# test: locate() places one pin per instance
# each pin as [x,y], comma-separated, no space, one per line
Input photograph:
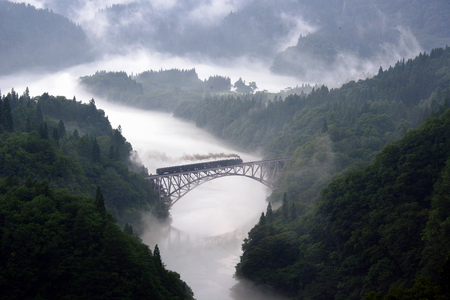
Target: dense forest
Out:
[360,212]
[73,146]
[159,90]
[333,136]
[38,39]
[54,245]
[329,130]
[66,179]
[377,230]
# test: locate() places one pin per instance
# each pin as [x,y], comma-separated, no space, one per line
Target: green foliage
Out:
[329,131]
[57,246]
[77,163]
[160,90]
[373,231]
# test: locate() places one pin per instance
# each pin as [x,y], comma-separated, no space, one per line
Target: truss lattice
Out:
[171,187]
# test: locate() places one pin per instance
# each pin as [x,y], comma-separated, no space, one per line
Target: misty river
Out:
[208,225]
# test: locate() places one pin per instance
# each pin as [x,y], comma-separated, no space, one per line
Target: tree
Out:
[75,134]
[96,156]
[241,87]
[7,119]
[157,255]
[99,201]
[61,129]
[269,213]
[128,229]
[43,131]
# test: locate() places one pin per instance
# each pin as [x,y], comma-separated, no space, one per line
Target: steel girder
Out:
[171,187]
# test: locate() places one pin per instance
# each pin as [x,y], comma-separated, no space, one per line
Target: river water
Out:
[208,224]
[202,241]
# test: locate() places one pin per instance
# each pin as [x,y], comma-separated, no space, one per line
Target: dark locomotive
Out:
[199,166]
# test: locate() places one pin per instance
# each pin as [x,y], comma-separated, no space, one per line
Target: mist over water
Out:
[202,240]
[138,60]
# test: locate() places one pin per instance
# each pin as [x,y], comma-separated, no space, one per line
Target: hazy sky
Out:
[177,15]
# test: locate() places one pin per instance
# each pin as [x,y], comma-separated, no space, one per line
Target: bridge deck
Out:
[172,186]
[266,161]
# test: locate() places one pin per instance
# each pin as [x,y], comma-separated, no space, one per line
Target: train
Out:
[199,166]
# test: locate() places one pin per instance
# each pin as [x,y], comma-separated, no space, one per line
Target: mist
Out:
[65,82]
[202,240]
[203,237]
[139,35]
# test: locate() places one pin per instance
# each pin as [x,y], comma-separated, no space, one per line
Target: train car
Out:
[199,166]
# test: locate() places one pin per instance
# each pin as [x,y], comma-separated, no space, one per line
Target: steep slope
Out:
[54,245]
[73,146]
[36,39]
[371,229]
[351,36]
[329,130]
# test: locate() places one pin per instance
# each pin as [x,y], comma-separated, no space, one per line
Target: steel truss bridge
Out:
[171,187]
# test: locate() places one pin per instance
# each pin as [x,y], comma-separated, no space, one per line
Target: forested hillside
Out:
[158,90]
[366,231]
[377,230]
[66,178]
[73,146]
[326,130]
[368,31]
[317,31]
[54,245]
[37,39]
[369,229]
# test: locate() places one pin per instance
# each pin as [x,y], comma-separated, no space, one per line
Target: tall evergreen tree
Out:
[100,201]
[269,213]
[128,229]
[61,129]
[96,156]
[7,119]
[43,131]
[157,255]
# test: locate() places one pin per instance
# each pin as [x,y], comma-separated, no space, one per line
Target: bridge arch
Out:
[172,187]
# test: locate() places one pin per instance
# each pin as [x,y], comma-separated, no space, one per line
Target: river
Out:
[203,240]
[208,224]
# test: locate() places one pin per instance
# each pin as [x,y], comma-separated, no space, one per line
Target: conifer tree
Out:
[269,213]
[96,156]
[7,119]
[75,134]
[99,201]
[61,129]
[128,229]
[55,134]
[262,220]
[43,131]
[157,255]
